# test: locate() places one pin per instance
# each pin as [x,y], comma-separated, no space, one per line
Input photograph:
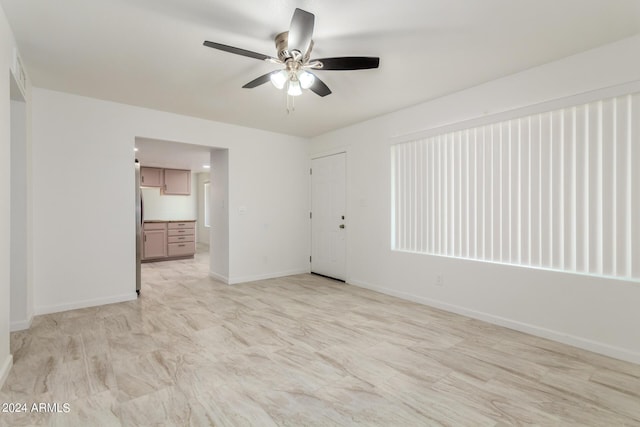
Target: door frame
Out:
[338,150]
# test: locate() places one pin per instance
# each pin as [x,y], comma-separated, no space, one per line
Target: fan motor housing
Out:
[282,47]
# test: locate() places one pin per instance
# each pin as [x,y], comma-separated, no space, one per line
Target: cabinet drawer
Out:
[181,249]
[155,225]
[181,232]
[181,225]
[180,239]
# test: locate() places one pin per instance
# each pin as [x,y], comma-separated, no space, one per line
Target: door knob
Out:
[341,225]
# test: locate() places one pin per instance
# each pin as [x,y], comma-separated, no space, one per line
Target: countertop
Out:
[170,220]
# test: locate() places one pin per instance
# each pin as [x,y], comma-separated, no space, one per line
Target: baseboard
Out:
[5,369]
[86,303]
[575,341]
[219,277]
[244,279]
[21,325]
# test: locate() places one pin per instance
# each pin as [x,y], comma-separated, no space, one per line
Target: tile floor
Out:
[300,351]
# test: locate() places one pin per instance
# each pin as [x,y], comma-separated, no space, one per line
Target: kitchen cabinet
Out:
[151,177]
[181,240]
[154,236]
[177,182]
[165,240]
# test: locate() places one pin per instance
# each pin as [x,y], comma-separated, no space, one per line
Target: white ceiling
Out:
[149,52]
[172,155]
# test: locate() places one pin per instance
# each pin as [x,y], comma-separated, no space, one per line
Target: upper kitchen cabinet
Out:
[177,181]
[151,177]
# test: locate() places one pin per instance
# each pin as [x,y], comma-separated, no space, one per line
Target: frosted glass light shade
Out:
[294,88]
[279,78]
[306,79]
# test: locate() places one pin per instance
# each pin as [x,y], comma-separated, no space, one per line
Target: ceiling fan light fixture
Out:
[294,88]
[306,79]
[279,78]
[294,53]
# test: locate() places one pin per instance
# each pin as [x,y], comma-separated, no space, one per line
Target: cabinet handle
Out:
[142,177]
[181,245]
[181,238]
[145,237]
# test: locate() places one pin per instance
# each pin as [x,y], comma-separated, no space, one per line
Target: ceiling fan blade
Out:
[236,50]
[319,88]
[259,81]
[348,63]
[301,31]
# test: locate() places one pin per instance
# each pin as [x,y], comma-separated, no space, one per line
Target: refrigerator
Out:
[139,219]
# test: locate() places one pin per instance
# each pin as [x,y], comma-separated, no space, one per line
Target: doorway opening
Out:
[20,292]
[178,184]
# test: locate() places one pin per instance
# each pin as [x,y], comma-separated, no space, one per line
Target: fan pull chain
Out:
[291,104]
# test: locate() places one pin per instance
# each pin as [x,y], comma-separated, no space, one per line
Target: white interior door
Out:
[328,201]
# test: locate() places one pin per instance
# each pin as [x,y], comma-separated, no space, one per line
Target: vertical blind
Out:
[557,190]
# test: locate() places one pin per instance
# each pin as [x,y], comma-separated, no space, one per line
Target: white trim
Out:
[219,277]
[561,337]
[21,325]
[627,280]
[5,369]
[331,152]
[555,104]
[86,303]
[244,279]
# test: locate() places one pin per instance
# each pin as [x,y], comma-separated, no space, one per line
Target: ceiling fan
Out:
[294,52]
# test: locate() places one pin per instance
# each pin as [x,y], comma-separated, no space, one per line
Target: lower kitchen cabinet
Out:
[170,239]
[154,236]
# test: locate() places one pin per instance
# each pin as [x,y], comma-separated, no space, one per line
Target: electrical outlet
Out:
[439,281]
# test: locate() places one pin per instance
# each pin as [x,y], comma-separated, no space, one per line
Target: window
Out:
[558,190]
[207,208]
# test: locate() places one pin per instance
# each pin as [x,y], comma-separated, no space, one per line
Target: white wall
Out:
[219,239]
[590,312]
[202,232]
[83,195]
[168,207]
[270,217]
[6,47]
